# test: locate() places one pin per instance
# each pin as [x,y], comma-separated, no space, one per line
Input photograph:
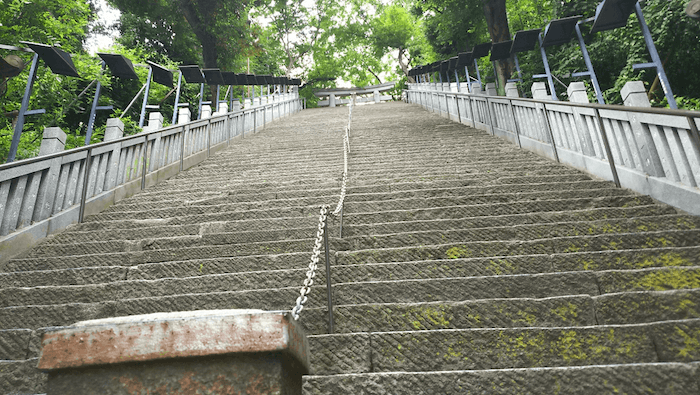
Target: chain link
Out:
[323,215]
[311,273]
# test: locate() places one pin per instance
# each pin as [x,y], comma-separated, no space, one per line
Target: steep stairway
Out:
[466,265]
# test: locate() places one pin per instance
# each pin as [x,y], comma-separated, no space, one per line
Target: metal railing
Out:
[654,151]
[322,238]
[42,195]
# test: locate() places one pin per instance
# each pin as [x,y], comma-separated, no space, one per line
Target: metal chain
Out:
[316,252]
[311,273]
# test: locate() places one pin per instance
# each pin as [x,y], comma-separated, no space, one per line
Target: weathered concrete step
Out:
[39,316]
[76,276]
[297,239]
[622,241]
[78,234]
[517,286]
[647,378]
[504,265]
[647,306]
[496,209]
[639,218]
[22,377]
[285,208]
[461,349]
[195,264]
[577,310]
[140,288]
[163,250]
[475,189]
[14,343]
[407,235]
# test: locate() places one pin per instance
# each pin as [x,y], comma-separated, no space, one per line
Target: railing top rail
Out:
[615,107]
[7,166]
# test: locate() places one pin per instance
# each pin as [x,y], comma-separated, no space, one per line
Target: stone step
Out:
[279,208]
[22,377]
[621,241]
[465,349]
[393,291]
[73,276]
[496,209]
[639,219]
[163,200]
[640,378]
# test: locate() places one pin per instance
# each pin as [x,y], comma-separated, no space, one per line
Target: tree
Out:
[497,23]
[395,29]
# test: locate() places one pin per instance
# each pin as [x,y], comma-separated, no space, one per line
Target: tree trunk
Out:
[198,16]
[404,67]
[497,22]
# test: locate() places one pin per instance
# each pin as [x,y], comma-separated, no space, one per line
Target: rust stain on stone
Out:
[158,339]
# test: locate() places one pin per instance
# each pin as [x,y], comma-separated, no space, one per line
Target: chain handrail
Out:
[323,215]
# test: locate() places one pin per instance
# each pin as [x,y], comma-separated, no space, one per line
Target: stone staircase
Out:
[466,264]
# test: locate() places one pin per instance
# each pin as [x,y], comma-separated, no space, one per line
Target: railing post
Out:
[86,176]
[606,144]
[144,157]
[549,131]
[328,277]
[208,138]
[491,120]
[185,130]
[515,122]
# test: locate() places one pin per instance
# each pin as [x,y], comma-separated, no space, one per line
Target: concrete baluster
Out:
[539,91]
[512,90]
[206,112]
[491,89]
[587,136]
[114,131]
[184,115]
[331,100]
[53,141]
[377,98]
[635,95]
[155,122]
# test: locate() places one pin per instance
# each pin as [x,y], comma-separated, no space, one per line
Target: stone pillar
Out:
[53,141]
[223,108]
[577,92]
[377,97]
[155,122]
[512,90]
[476,88]
[206,112]
[491,89]
[539,91]
[634,94]
[331,100]
[183,115]
[236,105]
[218,351]
[114,131]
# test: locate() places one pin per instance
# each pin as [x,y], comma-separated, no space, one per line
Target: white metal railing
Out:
[653,151]
[42,195]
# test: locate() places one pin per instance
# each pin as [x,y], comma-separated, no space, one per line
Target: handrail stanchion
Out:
[549,130]
[515,122]
[182,146]
[694,135]
[144,157]
[608,151]
[328,277]
[86,180]
[459,116]
[341,221]
[491,120]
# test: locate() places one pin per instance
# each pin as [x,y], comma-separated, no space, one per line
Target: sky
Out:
[108,16]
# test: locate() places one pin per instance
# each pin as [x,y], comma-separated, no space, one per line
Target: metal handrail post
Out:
[328,277]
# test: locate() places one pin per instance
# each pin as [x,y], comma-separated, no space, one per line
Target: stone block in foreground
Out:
[211,351]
